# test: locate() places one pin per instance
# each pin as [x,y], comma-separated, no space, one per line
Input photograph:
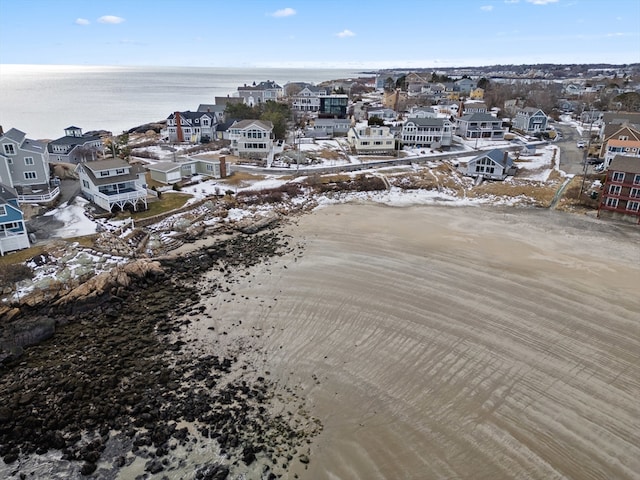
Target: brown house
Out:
[621,191]
[618,132]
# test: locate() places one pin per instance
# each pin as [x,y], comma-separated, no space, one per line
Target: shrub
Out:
[12,274]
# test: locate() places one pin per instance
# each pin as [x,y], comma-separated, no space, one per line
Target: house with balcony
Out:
[480,125]
[615,147]
[616,131]
[386,114]
[530,120]
[307,100]
[621,190]
[24,166]
[427,132]
[13,231]
[365,139]
[191,127]
[251,138]
[260,93]
[473,107]
[494,165]
[75,147]
[113,184]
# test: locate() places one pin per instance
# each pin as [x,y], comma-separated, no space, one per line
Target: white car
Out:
[580,144]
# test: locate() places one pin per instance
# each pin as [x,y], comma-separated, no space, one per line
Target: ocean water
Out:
[42,100]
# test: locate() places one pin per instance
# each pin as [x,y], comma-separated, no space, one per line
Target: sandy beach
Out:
[451,342]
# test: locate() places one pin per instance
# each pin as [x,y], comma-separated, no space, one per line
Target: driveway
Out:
[571,157]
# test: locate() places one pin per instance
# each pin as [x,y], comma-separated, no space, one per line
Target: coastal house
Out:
[480,125]
[333,106]
[260,93]
[427,132]
[476,93]
[614,131]
[13,232]
[365,139]
[75,147]
[615,147]
[251,138]
[530,120]
[24,166]
[494,165]
[186,167]
[113,184]
[386,114]
[422,112]
[192,127]
[474,107]
[328,127]
[621,190]
[308,99]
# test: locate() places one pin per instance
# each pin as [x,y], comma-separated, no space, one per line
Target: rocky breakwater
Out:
[116,389]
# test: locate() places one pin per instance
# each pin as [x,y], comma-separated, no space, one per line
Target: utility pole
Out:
[586,157]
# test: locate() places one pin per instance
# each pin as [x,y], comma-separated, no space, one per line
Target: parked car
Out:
[580,144]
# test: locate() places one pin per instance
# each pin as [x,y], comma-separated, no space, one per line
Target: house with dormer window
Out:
[615,147]
[370,139]
[530,120]
[260,93]
[191,127]
[75,147]
[24,166]
[621,190]
[113,184]
[308,99]
[13,232]
[622,132]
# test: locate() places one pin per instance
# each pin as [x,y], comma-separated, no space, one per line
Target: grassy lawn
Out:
[169,201]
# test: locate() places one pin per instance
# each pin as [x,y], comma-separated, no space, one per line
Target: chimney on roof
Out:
[179,127]
[505,157]
[1,130]
[223,166]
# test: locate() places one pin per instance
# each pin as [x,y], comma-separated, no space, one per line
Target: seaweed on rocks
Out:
[116,369]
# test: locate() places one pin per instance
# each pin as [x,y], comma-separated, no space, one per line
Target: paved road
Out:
[571,157]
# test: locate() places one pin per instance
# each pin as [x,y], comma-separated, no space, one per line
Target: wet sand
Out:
[453,342]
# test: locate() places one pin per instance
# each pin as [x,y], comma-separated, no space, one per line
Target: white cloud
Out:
[541,2]
[511,1]
[110,19]
[284,12]
[486,8]
[82,21]
[345,33]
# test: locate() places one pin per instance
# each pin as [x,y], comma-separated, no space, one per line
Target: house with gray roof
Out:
[24,166]
[621,190]
[251,138]
[259,93]
[75,147]
[113,184]
[530,120]
[427,132]
[191,127]
[186,167]
[13,231]
[480,125]
[308,99]
[494,165]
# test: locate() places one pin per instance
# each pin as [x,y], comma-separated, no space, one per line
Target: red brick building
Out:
[621,191]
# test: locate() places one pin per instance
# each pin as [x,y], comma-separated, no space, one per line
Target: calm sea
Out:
[42,100]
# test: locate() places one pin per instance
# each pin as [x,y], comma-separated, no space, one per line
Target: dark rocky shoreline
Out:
[116,372]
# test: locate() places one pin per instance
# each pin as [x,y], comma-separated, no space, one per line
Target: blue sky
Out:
[326,33]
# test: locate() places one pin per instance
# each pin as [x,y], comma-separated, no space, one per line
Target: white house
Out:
[173,172]
[366,139]
[113,184]
[494,165]
[427,132]
[192,127]
[251,138]
[260,93]
[480,125]
[75,147]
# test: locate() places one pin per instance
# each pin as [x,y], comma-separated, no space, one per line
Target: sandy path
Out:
[438,343]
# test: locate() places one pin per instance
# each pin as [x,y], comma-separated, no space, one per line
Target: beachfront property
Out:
[75,147]
[615,131]
[328,128]
[251,138]
[307,100]
[191,127]
[427,132]
[185,168]
[333,106]
[530,120]
[364,139]
[469,108]
[621,190]
[615,147]
[386,114]
[113,184]
[24,166]
[422,112]
[260,93]
[480,125]
[494,165]
[13,231]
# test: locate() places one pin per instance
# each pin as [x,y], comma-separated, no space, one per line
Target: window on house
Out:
[28,160]
[633,206]
[30,175]
[119,171]
[85,184]
[615,189]
[3,210]
[209,167]
[9,150]
[104,173]
[634,192]
[611,202]
[636,179]
[617,176]
[623,137]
